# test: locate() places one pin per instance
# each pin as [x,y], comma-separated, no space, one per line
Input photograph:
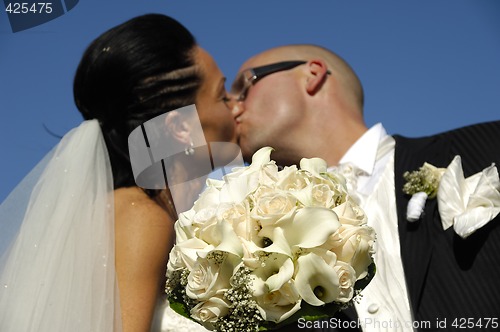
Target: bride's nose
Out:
[238,109]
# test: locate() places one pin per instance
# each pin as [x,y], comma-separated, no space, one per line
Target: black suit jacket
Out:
[451,281]
[449,277]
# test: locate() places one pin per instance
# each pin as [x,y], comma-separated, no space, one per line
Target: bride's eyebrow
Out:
[221,86]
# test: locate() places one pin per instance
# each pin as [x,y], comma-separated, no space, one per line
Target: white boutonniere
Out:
[421,184]
[467,204]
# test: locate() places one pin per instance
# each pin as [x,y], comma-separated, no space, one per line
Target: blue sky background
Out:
[426,66]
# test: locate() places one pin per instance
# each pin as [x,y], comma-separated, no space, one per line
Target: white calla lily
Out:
[229,241]
[311,227]
[261,157]
[315,166]
[276,296]
[214,183]
[316,281]
[279,244]
[285,273]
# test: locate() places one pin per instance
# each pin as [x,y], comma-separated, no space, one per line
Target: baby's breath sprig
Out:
[173,282]
[175,289]
[426,179]
[243,312]
[217,257]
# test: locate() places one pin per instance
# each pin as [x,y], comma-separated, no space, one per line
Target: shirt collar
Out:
[363,153]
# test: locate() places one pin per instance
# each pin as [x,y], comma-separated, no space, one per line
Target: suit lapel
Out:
[415,238]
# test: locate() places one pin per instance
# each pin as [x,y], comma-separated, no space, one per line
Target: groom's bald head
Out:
[337,66]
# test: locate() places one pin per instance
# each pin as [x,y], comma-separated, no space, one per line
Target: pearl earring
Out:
[189,150]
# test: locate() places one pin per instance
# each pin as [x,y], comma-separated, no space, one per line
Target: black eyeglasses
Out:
[250,76]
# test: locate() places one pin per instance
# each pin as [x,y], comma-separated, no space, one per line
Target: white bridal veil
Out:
[57,242]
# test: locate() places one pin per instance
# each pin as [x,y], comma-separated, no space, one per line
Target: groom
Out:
[305,101]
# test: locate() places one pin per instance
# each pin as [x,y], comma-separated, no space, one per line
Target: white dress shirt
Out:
[384,304]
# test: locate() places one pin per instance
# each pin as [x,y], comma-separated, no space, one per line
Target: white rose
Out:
[278,305]
[322,195]
[350,213]
[319,193]
[347,279]
[261,192]
[291,179]
[184,226]
[210,197]
[204,223]
[209,311]
[273,208]
[355,246]
[232,212]
[338,181]
[238,216]
[210,276]
[185,253]
[217,232]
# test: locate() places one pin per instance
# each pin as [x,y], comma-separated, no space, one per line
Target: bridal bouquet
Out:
[264,247]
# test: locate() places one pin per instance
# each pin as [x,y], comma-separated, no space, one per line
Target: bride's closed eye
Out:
[225,98]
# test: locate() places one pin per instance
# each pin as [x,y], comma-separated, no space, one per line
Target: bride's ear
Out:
[317,73]
[178,127]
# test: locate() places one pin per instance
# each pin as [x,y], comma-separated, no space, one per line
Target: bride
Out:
[83,247]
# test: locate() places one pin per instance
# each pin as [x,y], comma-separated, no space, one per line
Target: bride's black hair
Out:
[132,73]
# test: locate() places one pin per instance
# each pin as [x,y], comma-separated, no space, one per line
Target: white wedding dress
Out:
[167,320]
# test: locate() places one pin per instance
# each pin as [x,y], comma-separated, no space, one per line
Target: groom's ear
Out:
[177,126]
[317,72]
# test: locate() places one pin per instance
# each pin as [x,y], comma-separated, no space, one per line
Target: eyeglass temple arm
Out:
[257,72]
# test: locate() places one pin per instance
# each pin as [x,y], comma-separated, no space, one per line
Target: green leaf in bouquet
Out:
[180,308]
[361,284]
